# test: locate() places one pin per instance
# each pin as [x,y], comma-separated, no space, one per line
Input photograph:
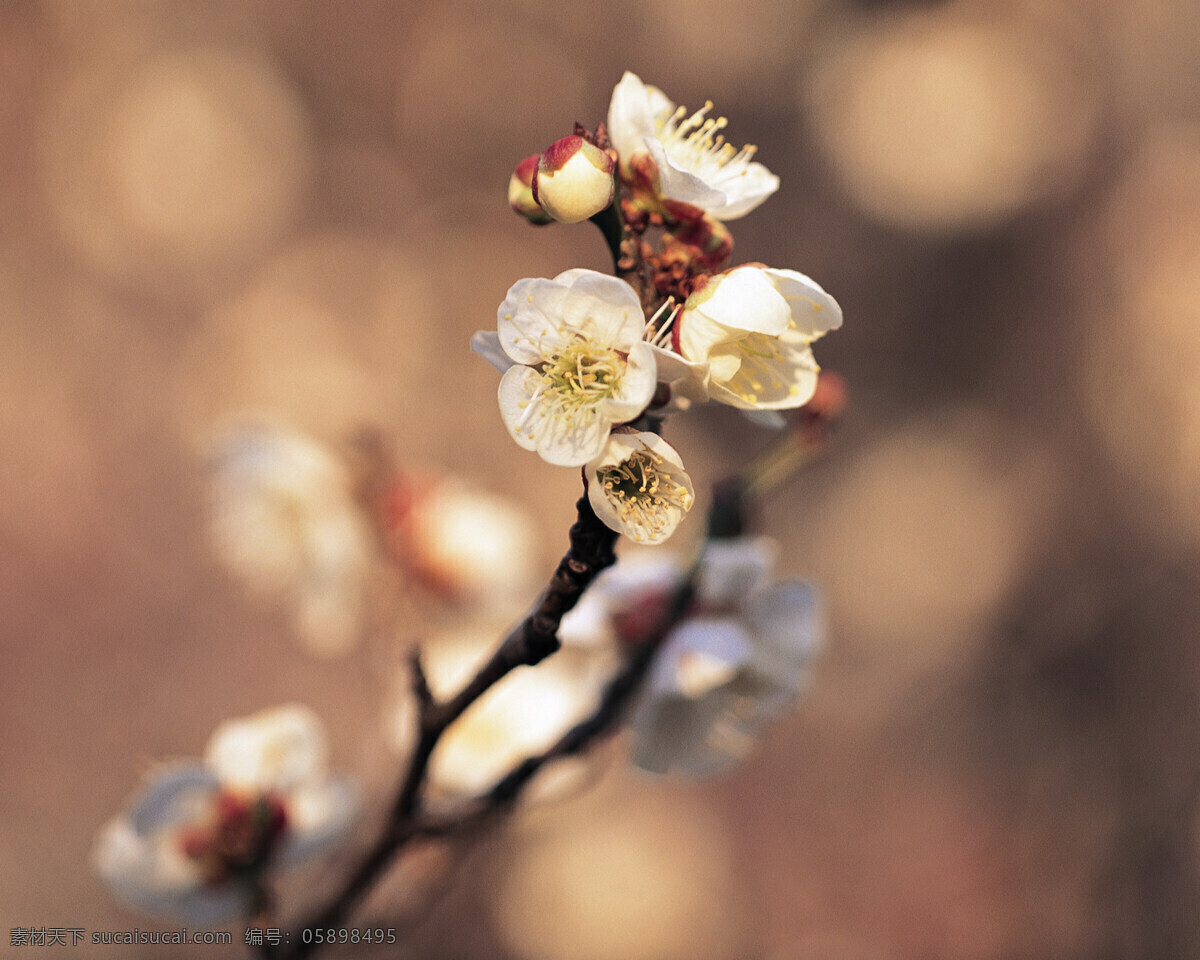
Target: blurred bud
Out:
[464,545]
[831,396]
[520,192]
[574,180]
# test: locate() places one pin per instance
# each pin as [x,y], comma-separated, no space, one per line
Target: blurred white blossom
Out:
[737,659]
[610,611]
[695,163]
[580,364]
[739,656]
[195,840]
[523,714]
[469,546]
[284,519]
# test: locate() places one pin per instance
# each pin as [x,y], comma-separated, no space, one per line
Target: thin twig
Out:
[602,721]
[531,641]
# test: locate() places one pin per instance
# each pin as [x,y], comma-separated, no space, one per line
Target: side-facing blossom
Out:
[753,327]
[739,658]
[284,519]
[580,365]
[638,487]
[695,164]
[195,841]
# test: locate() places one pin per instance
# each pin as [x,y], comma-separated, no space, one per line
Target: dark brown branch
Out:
[530,642]
[536,637]
[602,721]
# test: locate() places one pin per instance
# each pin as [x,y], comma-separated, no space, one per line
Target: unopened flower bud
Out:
[574,180]
[520,192]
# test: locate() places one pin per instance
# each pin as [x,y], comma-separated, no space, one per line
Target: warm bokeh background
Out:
[298,207]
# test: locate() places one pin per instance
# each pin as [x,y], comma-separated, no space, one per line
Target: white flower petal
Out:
[769,419]
[276,750]
[723,365]
[470,545]
[776,375]
[726,670]
[568,277]
[284,519]
[636,388]
[588,367]
[694,165]
[633,114]
[139,854]
[487,345]
[638,577]
[814,312]
[688,381]
[732,568]
[743,299]
[702,655]
[678,183]
[527,320]
[699,336]
[517,390]
[319,818]
[637,486]
[743,191]
[788,623]
[536,424]
[604,309]
[171,795]
[570,443]
[151,874]
[670,734]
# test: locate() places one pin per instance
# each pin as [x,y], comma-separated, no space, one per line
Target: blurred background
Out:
[297,210]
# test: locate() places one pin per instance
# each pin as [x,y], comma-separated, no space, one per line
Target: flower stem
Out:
[528,643]
[612,226]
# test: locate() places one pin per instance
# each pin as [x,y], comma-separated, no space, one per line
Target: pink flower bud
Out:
[574,180]
[520,192]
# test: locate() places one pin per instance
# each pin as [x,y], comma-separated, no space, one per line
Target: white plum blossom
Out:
[580,365]
[610,608]
[695,163]
[753,328]
[195,833]
[284,519]
[739,658]
[466,545]
[638,487]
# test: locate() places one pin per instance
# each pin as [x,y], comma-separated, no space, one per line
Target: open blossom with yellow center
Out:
[695,163]
[580,364]
[638,487]
[753,327]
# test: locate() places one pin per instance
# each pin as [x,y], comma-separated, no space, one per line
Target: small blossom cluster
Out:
[738,656]
[198,839]
[592,363]
[294,521]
